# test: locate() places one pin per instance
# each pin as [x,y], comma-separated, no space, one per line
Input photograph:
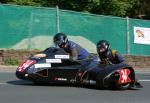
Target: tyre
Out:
[123,86]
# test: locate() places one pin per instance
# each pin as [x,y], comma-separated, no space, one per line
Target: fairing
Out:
[58,67]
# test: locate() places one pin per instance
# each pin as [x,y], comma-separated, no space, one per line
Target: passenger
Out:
[107,55]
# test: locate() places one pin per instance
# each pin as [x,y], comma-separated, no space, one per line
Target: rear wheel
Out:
[123,86]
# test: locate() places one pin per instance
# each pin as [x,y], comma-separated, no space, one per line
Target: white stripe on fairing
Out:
[53,60]
[62,56]
[42,65]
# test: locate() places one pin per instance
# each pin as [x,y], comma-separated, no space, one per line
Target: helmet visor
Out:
[102,49]
[60,44]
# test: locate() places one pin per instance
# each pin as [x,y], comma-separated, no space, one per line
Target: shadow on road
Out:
[29,83]
[20,82]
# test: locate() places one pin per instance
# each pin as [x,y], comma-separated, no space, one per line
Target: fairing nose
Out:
[25,65]
[20,75]
[21,71]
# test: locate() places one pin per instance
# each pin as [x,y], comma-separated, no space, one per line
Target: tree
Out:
[113,7]
[105,7]
[141,9]
[122,8]
[25,2]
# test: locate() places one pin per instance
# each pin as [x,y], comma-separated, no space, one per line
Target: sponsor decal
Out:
[60,79]
[25,65]
[26,75]
[142,35]
[124,76]
[43,65]
[62,56]
[53,61]
[79,74]
[73,80]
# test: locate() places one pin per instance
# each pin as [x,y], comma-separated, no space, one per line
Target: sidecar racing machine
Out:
[57,67]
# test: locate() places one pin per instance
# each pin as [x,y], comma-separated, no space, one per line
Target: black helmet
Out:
[102,46]
[60,39]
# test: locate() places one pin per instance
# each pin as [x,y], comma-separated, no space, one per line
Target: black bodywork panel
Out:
[69,71]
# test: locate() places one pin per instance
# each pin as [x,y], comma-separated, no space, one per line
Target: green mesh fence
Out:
[18,25]
[23,27]
[95,28]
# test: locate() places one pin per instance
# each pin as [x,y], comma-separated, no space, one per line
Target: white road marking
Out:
[144,80]
[3,83]
[142,72]
[7,72]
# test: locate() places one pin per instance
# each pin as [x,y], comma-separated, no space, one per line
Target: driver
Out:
[106,55]
[74,50]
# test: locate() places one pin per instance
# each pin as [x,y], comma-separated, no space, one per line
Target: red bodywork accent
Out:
[124,76]
[26,64]
[55,78]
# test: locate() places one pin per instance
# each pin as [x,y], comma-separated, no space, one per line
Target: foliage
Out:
[141,9]
[114,7]
[11,61]
[25,2]
[131,8]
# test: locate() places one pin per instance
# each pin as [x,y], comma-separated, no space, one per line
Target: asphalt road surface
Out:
[13,90]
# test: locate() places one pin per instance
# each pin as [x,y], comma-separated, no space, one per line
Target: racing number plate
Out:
[124,76]
[26,64]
